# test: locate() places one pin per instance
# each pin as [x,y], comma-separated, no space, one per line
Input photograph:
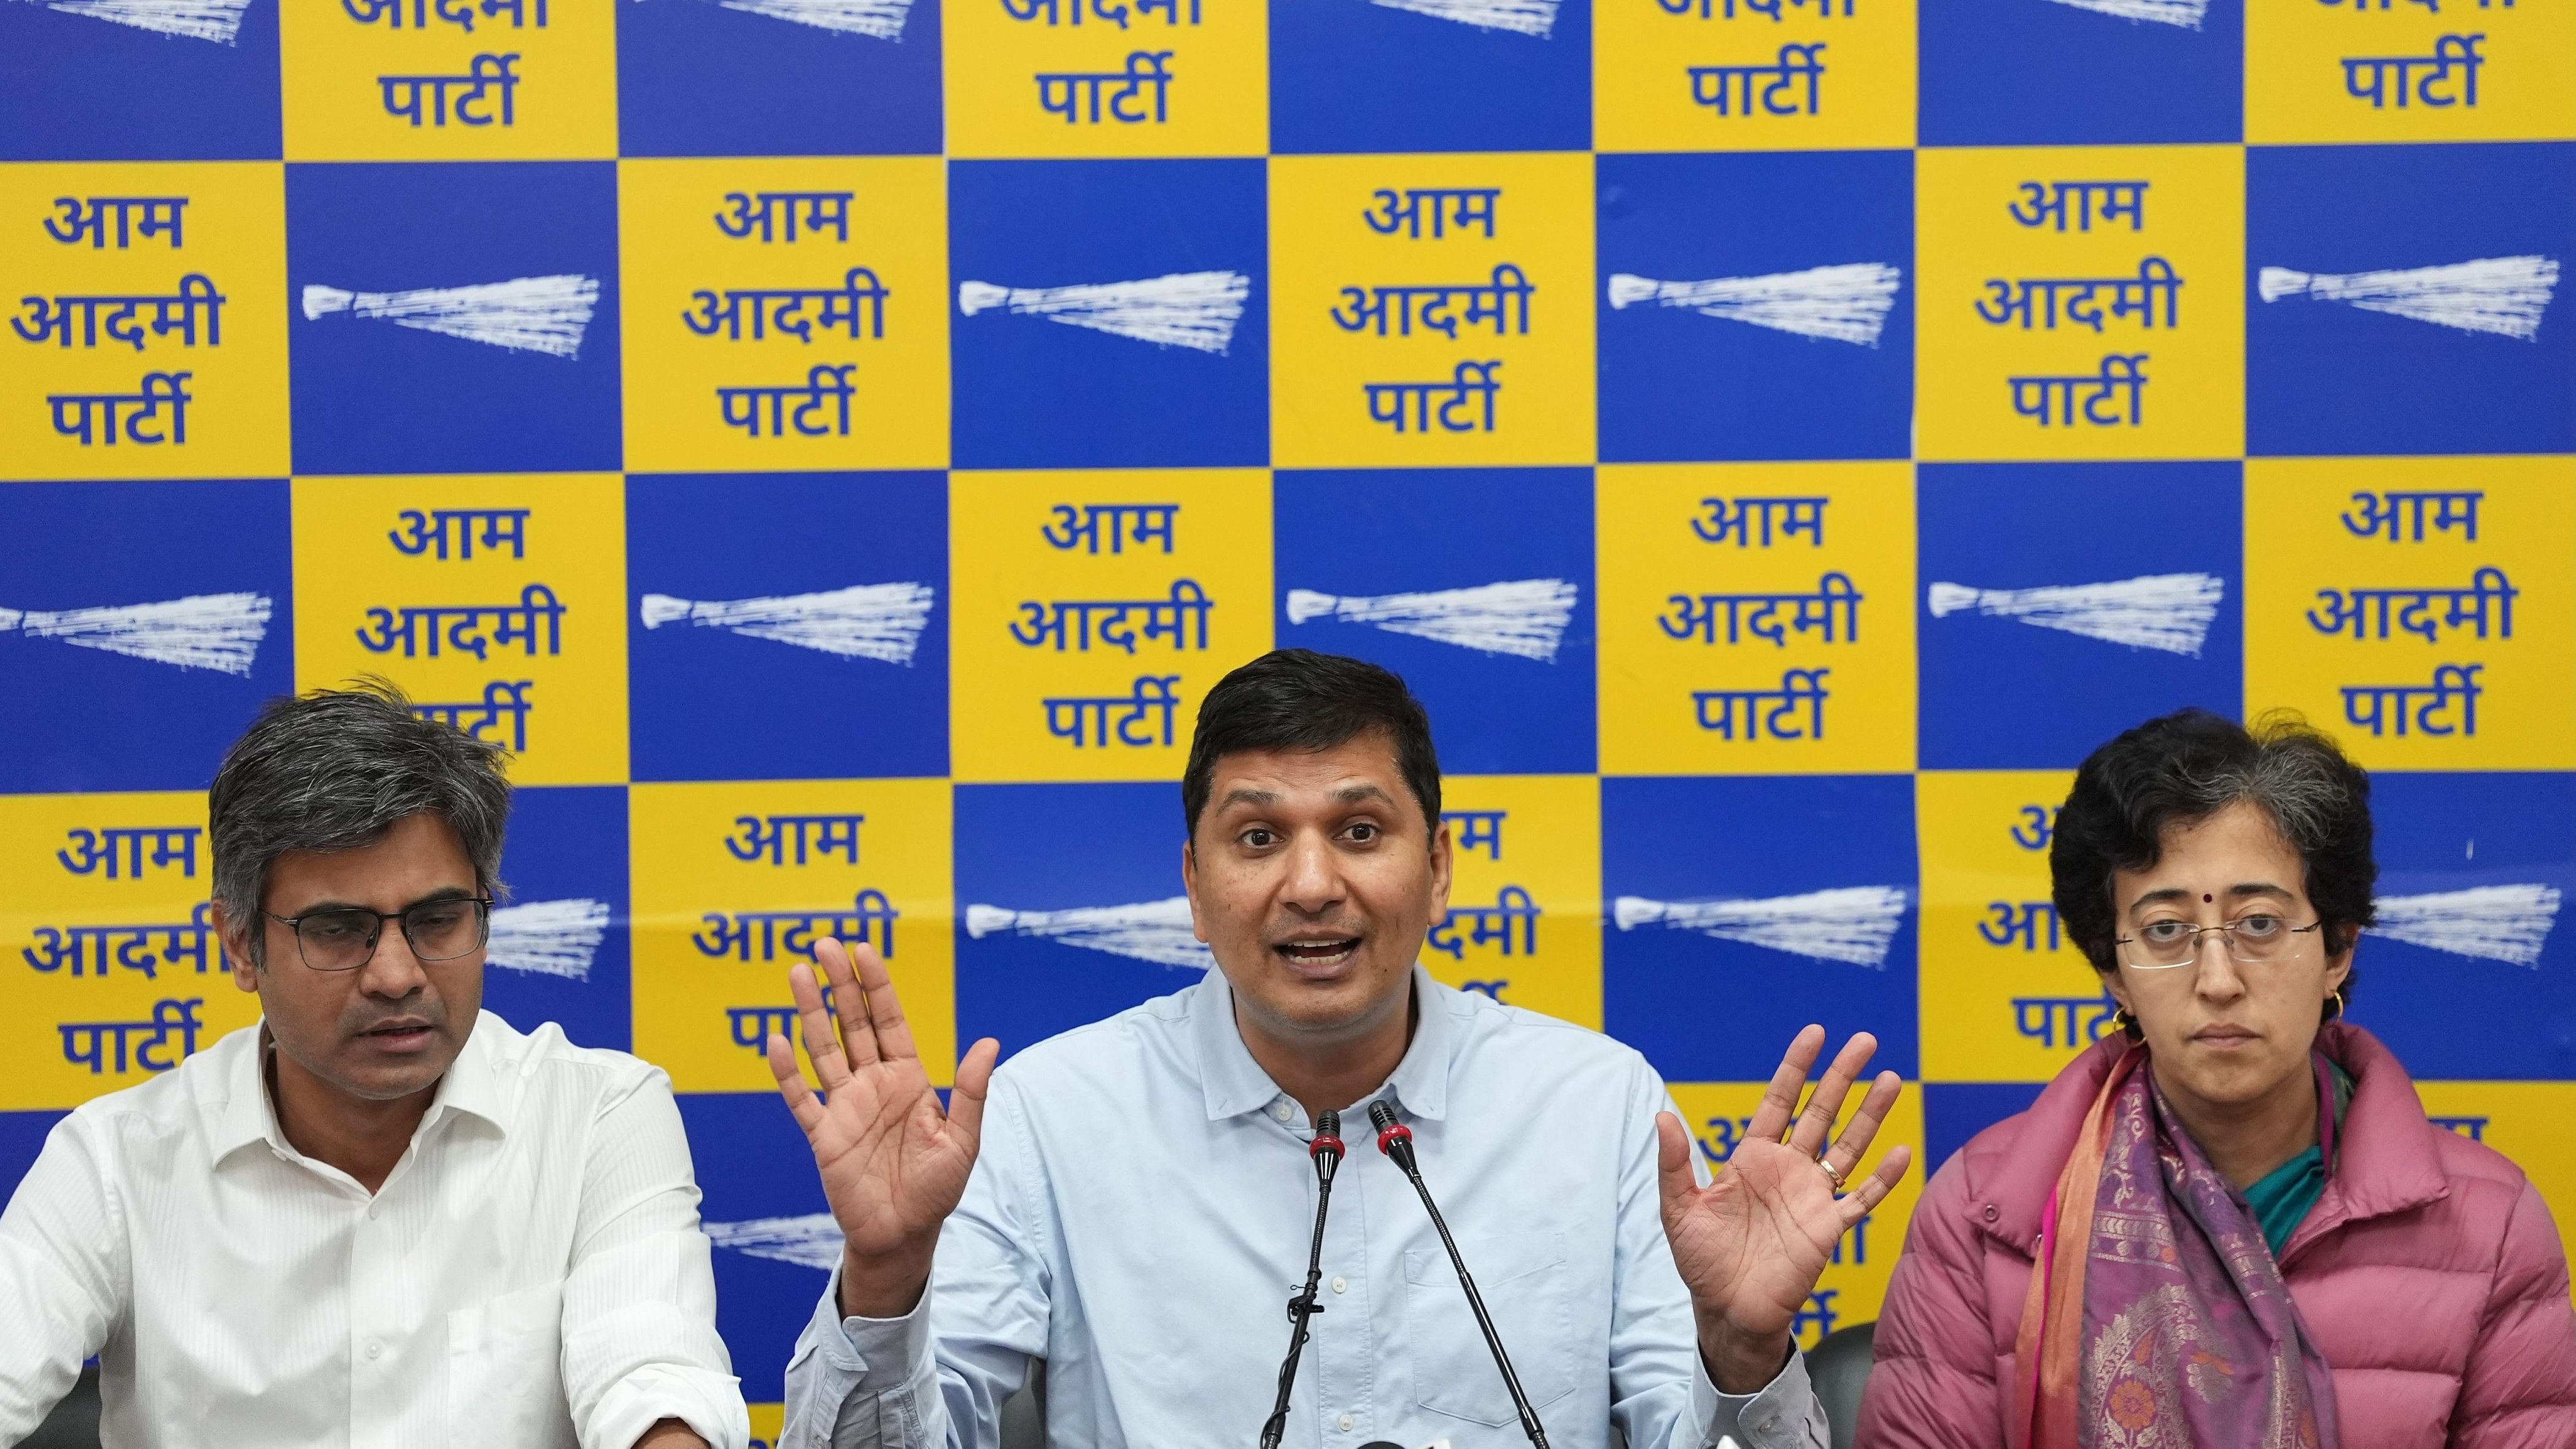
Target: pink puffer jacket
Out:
[2429,1271]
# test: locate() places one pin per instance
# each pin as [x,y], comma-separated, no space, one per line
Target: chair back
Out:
[1839,1370]
[74,1422]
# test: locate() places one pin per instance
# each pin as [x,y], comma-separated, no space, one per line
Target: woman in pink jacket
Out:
[2230,1226]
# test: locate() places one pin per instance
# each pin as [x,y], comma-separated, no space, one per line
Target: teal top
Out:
[2282,1198]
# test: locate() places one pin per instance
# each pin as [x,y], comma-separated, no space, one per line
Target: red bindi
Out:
[2206,898]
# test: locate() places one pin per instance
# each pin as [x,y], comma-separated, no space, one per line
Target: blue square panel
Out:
[1953,1112]
[1420,75]
[775,1241]
[1742,908]
[560,940]
[1475,584]
[2475,875]
[1159,359]
[504,359]
[1691,372]
[160,83]
[696,79]
[1026,854]
[2065,602]
[757,655]
[142,625]
[2408,299]
[22,1140]
[2081,72]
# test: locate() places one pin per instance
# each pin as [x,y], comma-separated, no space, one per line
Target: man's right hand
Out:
[893,1164]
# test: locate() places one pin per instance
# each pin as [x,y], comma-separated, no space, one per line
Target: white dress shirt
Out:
[1140,1211]
[530,1275]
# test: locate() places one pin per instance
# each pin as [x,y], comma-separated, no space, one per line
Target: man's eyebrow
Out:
[1351,794]
[442,894]
[1247,796]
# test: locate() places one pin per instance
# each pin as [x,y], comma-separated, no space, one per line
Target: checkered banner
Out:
[835,444]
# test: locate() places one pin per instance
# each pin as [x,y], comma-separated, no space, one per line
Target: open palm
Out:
[893,1162]
[1751,1245]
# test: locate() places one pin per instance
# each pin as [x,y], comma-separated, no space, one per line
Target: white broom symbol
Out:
[1856,924]
[2495,923]
[2502,295]
[1196,310]
[2183,13]
[868,621]
[548,938]
[1522,17]
[1848,302]
[220,632]
[1525,617]
[1156,931]
[811,1241]
[882,19]
[215,20]
[524,314]
[2170,612]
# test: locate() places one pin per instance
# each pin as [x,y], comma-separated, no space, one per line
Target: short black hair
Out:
[1297,699]
[334,770]
[2185,767]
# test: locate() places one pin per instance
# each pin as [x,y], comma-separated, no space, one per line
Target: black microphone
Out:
[1396,1141]
[1326,1151]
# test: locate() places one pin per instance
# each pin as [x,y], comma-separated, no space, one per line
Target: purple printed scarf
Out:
[2156,1317]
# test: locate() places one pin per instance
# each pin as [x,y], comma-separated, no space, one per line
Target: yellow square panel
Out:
[1752,75]
[1756,618]
[1092,610]
[1524,922]
[2080,302]
[735,882]
[744,277]
[150,338]
[117,975]
[448,80]
[1092,78]
[498,604]
[1431,310]
[2409,70]
[2420,609]
[2005,995]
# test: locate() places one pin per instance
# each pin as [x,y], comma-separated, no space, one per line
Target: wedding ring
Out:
[1831,1176]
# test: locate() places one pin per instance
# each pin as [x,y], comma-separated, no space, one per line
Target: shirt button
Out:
[375,1350]
[1280,1111]
[1345,1422]
[372,1210]
[1993,1212]
[1339,1284]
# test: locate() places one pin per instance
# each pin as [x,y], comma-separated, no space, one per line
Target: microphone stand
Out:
[1326,1150]
[1396,1141]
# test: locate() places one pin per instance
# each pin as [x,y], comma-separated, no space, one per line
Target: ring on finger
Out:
[1832,1174]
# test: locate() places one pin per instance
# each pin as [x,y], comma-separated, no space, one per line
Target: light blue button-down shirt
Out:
[1140,1213]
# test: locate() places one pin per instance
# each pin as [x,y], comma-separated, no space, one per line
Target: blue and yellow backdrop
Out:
[836,443]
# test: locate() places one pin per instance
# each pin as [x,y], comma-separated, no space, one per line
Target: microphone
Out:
[1326,1153]
[1396,1141]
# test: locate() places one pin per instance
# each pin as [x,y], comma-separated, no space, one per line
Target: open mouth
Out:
[1311,954]
[399,1035]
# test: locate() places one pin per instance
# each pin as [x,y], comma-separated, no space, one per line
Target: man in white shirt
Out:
[1124,1202]
[381,1219]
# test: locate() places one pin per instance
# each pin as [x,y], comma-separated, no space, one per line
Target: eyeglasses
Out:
[2251,940]
[343,938]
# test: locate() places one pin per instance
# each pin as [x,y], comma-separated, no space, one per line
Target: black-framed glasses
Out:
[2252,940]
[343,938]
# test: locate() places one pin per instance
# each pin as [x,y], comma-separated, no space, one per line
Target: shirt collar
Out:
[1235,1084]
[470,1086]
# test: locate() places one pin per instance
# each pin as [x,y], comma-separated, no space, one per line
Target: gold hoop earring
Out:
[2339,1006]
[2128,1025]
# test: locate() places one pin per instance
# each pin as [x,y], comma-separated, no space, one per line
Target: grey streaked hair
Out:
[334,770]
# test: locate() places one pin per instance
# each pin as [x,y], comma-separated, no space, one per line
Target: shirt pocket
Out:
[1526,1287]
[505,1372]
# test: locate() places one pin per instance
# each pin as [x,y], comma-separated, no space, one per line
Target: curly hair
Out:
[2185,767]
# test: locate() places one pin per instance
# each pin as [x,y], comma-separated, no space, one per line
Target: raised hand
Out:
[1751,1245]
[893,1163]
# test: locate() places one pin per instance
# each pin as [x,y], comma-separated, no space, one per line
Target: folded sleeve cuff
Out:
[1784,1414]
[709,1403]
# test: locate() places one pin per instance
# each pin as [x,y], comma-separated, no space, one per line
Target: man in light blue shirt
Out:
[1131,1202]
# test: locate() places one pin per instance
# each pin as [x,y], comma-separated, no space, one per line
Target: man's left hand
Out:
[671,1434]
[1751,1245]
